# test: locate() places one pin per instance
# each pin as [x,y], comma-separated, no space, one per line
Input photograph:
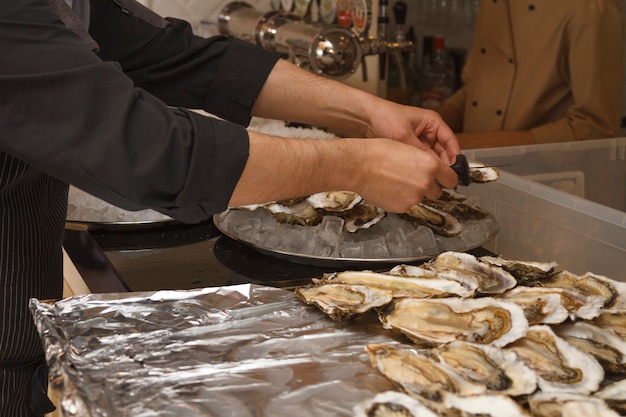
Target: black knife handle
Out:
[461,167]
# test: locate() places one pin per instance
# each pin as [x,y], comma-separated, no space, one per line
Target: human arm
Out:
[388,173]
[76,117]
[293,94]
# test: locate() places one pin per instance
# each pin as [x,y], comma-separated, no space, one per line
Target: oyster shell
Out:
[612,320]
[523,271]
[540,305]
[421,272]
[499,371]
[485,405]
[490,279]
[548,404]
[418,374]
[481,173]
[438,221]
[608,348]
[299,213]
[457,209]
[341,302]
[362,216]
[400,286]
[598,292]
[437,321]
[614,395]
[559,366]
[392,404]
[334,201]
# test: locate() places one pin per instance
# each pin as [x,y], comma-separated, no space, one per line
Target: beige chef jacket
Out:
[554,67]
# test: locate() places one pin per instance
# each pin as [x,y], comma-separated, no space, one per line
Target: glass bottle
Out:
[437,78]
[399,78]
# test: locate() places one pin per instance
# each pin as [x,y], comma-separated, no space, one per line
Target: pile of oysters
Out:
[488,336]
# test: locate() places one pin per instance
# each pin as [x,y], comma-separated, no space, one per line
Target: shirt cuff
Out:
[237,83]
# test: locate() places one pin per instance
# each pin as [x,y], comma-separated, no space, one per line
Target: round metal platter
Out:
[345,262]
[116,226]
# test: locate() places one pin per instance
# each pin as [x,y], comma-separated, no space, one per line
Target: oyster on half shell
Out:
[614,395]
[549,404]
[523,271]
[459,266]
[300,212]
[435,322]
[417,373]
[599,292]
[341,302]
[498,370]
[362,216]
[540,305]
[334,201]
[485,405]
[438,221]
[612,320]
[608,348]
[481,173]
[392,404]
[400,286]
[559,366]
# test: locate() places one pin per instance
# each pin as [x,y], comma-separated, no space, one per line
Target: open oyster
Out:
[342,301]
[362,216]
[614,395]
[438,321]
[481,173]
[523,271]
[599,292]
[418,374]
[613,321]
[486,405]
[457,209]
[608,348]
[540,305]
[559,366]
[400,286]
[499,371]
[392,404]
[334,201]
[421,272]
[299,212]
[459,266]
[438,221]
[549,404]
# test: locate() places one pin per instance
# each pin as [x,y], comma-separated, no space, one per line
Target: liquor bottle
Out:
[437,79]
[399,79]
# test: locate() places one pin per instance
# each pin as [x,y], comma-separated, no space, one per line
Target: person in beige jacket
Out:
[540,71]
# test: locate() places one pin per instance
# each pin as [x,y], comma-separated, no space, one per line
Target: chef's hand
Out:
[401,175]
[388,173]
[419,127]
[292,93]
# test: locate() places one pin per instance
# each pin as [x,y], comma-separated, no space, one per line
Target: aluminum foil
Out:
[244,350]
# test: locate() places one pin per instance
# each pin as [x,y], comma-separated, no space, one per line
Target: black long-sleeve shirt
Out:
[102,122]
[113,123]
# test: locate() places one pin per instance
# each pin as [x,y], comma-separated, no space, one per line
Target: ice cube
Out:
[473,234]
[422,242]
[376,248]
[397,244]
[353,250]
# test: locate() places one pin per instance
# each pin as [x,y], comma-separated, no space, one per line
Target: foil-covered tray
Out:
[244,350]
[237,224]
